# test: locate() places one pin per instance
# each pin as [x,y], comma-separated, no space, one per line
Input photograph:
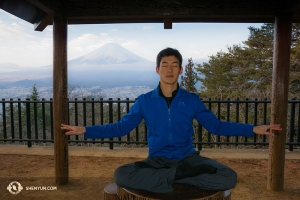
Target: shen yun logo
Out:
[14,187]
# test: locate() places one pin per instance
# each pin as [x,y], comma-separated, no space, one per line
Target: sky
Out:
[22,47]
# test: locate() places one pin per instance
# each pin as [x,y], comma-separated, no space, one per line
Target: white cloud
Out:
[131,44]
[86,43]
[147,27]
[44,43]
[103,34]
[14,32]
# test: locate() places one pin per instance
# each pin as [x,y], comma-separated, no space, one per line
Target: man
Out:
[168,112]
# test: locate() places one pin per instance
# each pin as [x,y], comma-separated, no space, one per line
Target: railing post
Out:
[127,111]
[28,122]
[119,115]
[44,119]
[4,119]
[298,134]
[101,114]
[110,111]
[209,108]
[237,113]
[20,119]
[265,116]
[51,119]
[246,115]
[12,120]
[255,117]
[228,116]
[76,117]
[93,115]
[35,119]
[292,126]
[199,137]
[219,117]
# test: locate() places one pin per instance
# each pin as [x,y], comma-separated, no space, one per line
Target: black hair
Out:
[168,52]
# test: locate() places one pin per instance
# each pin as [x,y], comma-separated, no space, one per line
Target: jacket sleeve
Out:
[212,124]
[127,123]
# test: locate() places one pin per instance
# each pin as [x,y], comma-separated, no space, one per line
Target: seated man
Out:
[168,112]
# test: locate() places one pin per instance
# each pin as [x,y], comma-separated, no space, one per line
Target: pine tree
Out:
[34,93]
[189,80]
[245,71]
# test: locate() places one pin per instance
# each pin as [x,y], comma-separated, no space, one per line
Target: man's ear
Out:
[157,70]
[181,70]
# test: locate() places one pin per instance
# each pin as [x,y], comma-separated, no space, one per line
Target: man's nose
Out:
[170,68]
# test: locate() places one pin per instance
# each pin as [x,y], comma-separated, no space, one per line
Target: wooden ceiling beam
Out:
[22,9]
[192,19]
[52,7]
[41,25]
[168,23]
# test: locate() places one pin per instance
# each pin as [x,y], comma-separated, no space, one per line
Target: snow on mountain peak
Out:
[110,53]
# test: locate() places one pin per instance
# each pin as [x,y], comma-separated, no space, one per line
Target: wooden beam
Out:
[50,7]
[22,9]
[296,16]
[168,23]
[279,105]
[41,25]
[60,99]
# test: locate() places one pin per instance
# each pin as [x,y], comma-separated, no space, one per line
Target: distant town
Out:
[130,92]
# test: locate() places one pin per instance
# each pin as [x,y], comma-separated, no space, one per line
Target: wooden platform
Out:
[180,192]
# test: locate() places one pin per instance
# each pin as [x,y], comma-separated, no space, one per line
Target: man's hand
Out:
[266,129]
[73,130]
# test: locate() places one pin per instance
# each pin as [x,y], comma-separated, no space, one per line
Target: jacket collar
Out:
[155,93]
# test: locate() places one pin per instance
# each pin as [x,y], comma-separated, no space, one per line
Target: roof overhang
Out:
[41,12]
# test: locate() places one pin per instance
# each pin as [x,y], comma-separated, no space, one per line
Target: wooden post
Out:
[279,106]
[60,99]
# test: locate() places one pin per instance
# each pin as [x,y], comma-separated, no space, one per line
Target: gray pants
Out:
[160,177]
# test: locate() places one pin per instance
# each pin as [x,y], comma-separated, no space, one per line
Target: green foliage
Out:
[190,79]
[245,71]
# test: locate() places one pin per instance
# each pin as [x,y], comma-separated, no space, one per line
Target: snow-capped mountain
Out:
[110,65]
[110,54]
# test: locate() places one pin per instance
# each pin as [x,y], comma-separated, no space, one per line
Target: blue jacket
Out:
[170,130]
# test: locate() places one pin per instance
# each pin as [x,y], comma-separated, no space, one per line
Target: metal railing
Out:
[31,121]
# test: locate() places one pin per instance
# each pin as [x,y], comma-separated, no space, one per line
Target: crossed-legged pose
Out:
[168,112]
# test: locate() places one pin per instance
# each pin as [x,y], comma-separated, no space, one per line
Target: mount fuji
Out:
[111,65]
[110,54]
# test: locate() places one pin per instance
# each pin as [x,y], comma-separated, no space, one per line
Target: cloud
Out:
[103,34]
[87,43]
[44,43]
[14,32]
[148,27]
[131,44]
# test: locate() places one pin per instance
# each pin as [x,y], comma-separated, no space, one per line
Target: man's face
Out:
[169,70]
